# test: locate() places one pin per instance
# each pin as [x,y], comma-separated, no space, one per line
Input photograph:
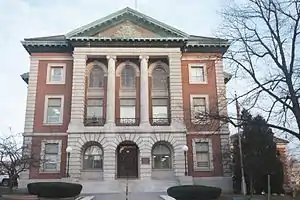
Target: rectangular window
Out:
[199,104]
[202,154]
[160,110]
[197,74]
[94,108]
[54,107]
[56,73]
[51,157]
[127,111]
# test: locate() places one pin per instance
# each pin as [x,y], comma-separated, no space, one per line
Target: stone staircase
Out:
[119,186]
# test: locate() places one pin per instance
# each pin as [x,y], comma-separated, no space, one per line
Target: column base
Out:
[110,125]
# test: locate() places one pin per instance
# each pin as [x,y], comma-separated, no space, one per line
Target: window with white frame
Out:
[197,74]
[128,77]
[161,157]
[54,110]
[93,157]
[94,109]
[127,110]
[51,157]
[160,110]
[202,154]
[96,79]
[56,74]
[199,107]
[159,79]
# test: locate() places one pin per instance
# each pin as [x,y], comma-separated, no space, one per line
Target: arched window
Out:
[128,77]
[161,157]
[93,157]
[159,78]
[96,77]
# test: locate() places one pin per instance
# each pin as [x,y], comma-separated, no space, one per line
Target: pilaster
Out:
[176,90]
[78,94]
[31,95]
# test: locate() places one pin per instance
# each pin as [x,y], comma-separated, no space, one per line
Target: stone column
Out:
[78,94]
[111,87]
[144,91]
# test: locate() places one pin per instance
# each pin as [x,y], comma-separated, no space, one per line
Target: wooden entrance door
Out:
[127,161]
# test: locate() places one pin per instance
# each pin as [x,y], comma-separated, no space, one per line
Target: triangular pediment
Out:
[127,23]
[127,29]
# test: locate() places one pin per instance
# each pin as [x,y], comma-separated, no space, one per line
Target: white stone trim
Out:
[153,66]
[78,93]
[125,51]
[194,58]
[176,100]
[31,95]
[121,66]
[61,117]
[202,132]
[211,158]
[42,154]
[59,58]
[45,134]
[225,151]
[64,71]
[191,65]
[192,96]
[91,65]
[27,143]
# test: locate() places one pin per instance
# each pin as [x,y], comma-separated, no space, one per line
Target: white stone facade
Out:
[110,136]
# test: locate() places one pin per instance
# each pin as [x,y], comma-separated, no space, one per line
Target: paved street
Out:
[131,196]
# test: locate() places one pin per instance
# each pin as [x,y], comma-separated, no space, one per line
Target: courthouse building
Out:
[124,93]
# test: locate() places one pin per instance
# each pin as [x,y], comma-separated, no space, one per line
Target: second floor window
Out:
[94,108]
[199,105]
[54,111]
[127,110]
[96,79]
[128,77]
[159,109]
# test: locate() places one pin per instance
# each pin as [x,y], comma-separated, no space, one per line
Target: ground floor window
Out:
[93,157]
[161,157]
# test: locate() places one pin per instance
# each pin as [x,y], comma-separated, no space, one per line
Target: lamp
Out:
[185,149]
[68,150]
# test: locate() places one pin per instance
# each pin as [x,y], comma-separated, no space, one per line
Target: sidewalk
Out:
[131,196]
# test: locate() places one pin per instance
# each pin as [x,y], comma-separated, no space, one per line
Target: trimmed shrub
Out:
[54,189]
[194,192]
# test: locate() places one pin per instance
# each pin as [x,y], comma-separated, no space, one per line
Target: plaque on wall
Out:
[145,161]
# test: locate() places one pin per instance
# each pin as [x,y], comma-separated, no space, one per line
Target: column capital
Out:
[108,57]
[144,58]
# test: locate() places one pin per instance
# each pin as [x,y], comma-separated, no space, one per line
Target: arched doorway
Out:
[127,160]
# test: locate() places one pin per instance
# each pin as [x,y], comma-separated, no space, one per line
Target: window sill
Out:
[198,82]
[55,83]
[169,169]
[92,170]
[204,169]
[47,124]
[49,172]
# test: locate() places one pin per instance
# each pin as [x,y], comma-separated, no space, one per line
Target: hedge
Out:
[54,189]
[194,192]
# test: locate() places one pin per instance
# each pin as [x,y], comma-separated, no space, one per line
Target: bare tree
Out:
[264,36]
[15,158]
